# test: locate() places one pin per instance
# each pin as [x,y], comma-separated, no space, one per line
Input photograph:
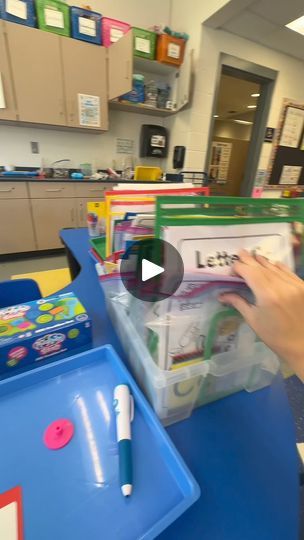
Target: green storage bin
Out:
[144,43]
[53,16]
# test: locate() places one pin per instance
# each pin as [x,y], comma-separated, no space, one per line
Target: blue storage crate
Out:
[86,25]
[77,488]
[18,11]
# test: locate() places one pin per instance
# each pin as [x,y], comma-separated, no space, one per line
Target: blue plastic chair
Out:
[17,291]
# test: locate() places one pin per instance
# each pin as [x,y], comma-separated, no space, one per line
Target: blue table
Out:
[241,449]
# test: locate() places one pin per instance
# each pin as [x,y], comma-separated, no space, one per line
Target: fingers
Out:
[285,270]
[241,305]
[279,269]
[259,273]
[251,271]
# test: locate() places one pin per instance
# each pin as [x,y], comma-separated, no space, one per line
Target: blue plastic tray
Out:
[74,493]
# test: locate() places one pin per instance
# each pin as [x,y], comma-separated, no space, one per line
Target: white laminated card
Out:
[17,8]
[174,50]
[87,26]
[213,249]
[54,18]
[115,34]
[142,45]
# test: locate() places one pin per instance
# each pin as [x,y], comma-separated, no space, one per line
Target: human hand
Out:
[277,315]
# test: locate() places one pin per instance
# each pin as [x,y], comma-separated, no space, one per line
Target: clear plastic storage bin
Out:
[174,394]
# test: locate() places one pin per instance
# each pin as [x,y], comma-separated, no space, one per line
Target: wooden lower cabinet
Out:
[50,216]
[16,226]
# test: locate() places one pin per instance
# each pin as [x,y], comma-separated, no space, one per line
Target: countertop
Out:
[107,181]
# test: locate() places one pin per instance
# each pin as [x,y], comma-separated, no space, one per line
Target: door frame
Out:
[266,78]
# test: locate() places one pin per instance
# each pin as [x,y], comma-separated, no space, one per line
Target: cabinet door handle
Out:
[72,215]
[7,190]
[128,69]
[81,215]
[98,190]
[54,190]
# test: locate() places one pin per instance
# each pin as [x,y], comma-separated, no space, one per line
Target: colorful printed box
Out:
[47,328]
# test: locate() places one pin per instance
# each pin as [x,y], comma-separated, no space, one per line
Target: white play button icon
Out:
[149,270]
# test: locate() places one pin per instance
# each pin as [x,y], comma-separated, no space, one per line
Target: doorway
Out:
[240,112]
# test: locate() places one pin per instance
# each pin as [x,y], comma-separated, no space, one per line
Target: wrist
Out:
[295,359]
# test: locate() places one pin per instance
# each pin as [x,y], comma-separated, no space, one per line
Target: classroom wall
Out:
[55,144]
[80,148]
[231,130]
[192,126]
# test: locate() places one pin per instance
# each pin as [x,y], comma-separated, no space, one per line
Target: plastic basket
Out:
[86,25]
[144,43]
[18,11]
[174,394]
[112,30]
[53,16]
[170,50]
[147,173]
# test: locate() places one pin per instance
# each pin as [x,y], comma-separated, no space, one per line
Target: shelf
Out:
[140,108]
[152,66]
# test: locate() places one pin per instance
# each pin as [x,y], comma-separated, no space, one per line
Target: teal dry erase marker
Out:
[124,409]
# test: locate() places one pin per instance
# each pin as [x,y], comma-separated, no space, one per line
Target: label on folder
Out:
[17,8]
[54,18]
[87,26]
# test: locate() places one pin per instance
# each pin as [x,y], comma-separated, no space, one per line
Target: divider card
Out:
[213,249]
[11,525]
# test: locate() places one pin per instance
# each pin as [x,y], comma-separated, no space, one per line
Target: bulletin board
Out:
[286,166]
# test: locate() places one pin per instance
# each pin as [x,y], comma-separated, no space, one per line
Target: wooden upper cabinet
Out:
[7,102]
[37,74]
[120,66]
[84,68]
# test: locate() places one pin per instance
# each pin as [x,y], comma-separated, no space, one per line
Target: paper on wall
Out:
[220,160]
[54,18]
[142,45]
[87,26]
[290,174]
[213,249]
[89,110]
[17,8]
[293,127]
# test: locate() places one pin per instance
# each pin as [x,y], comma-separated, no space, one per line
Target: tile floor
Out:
[35,264]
